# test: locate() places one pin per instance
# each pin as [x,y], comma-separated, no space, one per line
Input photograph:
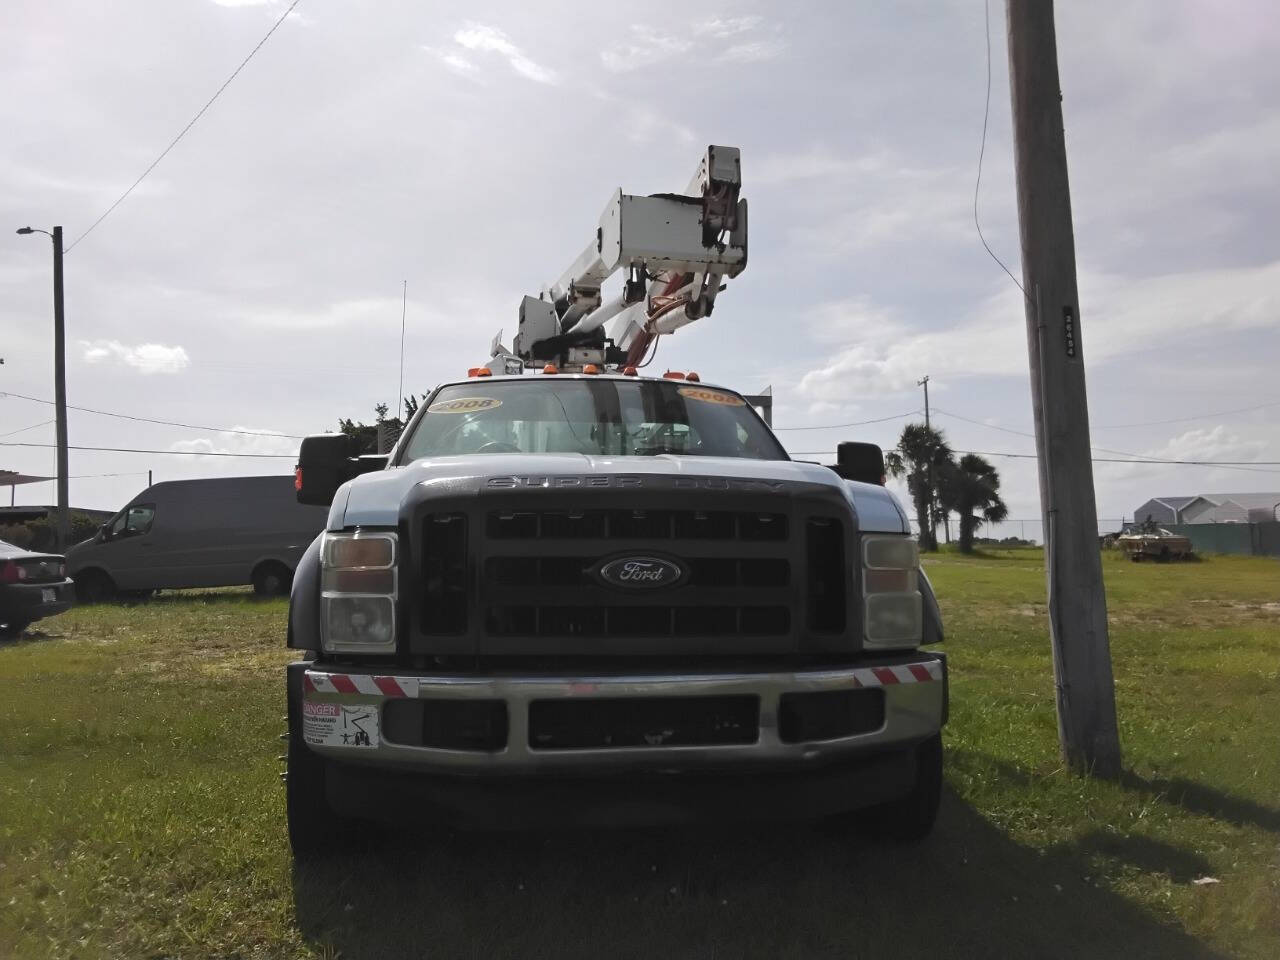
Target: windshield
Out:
[604,417]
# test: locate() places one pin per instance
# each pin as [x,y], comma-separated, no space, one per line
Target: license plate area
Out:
[48,595]
[637,722]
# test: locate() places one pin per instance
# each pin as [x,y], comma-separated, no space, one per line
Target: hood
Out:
[374,499]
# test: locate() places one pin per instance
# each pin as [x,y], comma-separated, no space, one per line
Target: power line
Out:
[168,453]
[84,476]
[1133,457]
[164,153]
[982,150]
[1203,416]
[1118,426]
[1136,459]
[1246,465]
[859,423]
[1231,464]
[167,423]
[980,423]
[42,423]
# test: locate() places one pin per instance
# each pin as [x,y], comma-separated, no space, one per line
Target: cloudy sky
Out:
[253,281]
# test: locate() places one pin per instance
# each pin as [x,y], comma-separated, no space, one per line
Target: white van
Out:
[199,533]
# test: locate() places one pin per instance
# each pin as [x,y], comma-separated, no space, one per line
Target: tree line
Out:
[940,485]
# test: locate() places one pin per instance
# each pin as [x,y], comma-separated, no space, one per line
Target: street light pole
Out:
[59,385]
[60,393]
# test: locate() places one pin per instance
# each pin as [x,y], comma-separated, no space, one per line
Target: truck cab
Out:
[600,597]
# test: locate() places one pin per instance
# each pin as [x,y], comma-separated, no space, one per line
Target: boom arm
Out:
[677,249]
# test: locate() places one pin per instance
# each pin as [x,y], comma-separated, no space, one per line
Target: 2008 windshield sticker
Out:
[712,396]
[464,405]
[339,725]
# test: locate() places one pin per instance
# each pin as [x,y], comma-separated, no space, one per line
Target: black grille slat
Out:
[827,577]
[444,560]
[636,525]
[651,620]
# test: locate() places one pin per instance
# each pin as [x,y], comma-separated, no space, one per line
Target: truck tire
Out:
[314,829]
[271,579]
[94,586]
[911,818]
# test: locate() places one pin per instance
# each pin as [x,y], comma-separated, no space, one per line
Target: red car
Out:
[32,586]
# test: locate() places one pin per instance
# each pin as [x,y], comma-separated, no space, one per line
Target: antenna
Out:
[404,301]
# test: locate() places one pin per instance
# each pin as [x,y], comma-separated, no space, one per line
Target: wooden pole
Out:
[1077,601]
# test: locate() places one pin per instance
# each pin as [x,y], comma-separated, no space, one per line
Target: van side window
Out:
[135,521]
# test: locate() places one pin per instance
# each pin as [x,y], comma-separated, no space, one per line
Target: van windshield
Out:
[604,417]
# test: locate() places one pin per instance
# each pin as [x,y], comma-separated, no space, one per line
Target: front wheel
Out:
[94,586]
[314,829]
[12,629]
[272,580]
[911,817]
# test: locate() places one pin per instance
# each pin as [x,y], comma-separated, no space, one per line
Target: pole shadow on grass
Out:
[1205,800]
[769,890]
[1190,795]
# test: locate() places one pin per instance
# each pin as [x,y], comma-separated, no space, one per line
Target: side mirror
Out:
[863,462]
[326,462]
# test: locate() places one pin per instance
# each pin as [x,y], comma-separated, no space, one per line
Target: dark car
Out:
[32,586]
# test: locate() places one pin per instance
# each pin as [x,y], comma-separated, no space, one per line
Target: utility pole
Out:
[60,394]
[928,469]
[1077,601]
[59,382]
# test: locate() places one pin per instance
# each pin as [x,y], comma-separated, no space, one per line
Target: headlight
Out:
[358,580]
[893,615]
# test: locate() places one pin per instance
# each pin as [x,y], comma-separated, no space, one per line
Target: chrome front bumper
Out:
[915,702]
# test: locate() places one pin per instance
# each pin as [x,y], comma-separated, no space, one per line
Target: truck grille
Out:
[762,573]
[637,525]
[625,621]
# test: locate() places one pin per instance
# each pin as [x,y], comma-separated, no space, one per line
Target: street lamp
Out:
[59,383]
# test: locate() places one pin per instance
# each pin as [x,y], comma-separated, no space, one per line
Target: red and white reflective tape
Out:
[314,682]
[889,676]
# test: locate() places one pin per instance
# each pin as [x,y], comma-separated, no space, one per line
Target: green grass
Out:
[141,814]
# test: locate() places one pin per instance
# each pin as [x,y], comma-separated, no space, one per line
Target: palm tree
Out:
[922,457]
[971,488]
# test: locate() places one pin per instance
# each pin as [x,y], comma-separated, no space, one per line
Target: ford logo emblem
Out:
[641,573]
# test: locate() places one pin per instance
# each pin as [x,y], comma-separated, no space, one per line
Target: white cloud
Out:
[875,196]
[645,124]
[481,38]
[270,446]
[146,357]
[647,46]
[458,62]
[774,169]
[369,312]
[1124,315]
[1121,317]
[755,52]
[1210,443]
[727,26]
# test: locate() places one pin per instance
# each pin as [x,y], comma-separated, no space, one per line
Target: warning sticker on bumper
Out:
[339,725]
